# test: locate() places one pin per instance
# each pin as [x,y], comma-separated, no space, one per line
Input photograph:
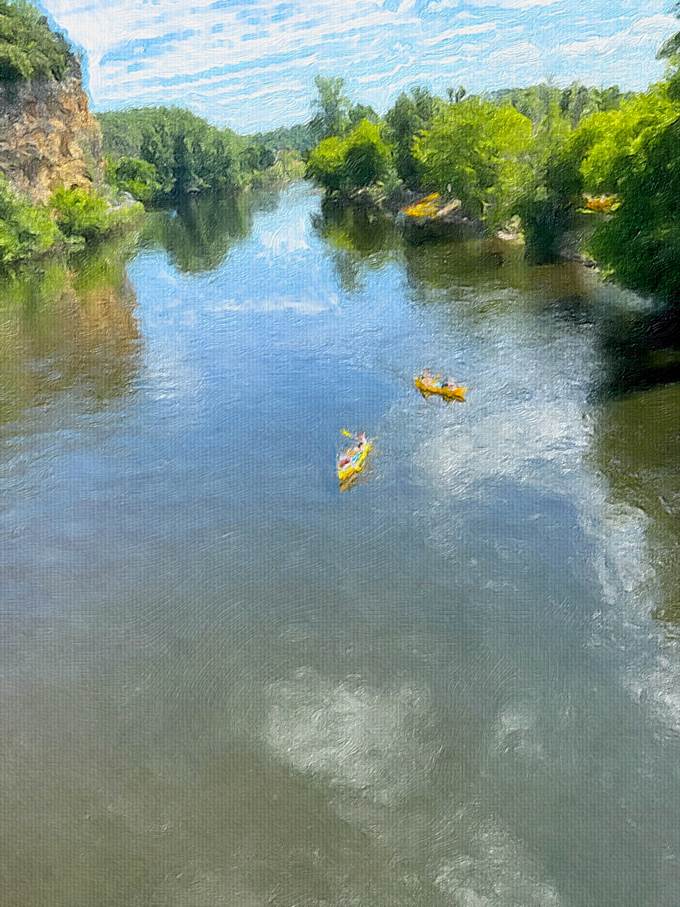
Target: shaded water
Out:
[226,683]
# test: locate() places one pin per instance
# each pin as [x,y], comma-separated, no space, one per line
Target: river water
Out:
[225,682]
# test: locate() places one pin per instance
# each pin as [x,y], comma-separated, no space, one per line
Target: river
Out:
[225,682]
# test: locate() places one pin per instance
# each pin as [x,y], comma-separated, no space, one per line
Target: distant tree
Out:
[292,138]
[330,108]
[670,50]
[187,153]
[410,115]
[359,112]
[258,157]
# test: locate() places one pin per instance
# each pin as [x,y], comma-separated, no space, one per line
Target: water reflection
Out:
[359,239]
[637,447]
[482,272]
[199,233]
[66,327]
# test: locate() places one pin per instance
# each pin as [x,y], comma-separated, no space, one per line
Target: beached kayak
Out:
[356,463]
[450,393]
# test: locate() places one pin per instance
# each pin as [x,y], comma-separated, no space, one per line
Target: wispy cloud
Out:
[648,32]
[251,63]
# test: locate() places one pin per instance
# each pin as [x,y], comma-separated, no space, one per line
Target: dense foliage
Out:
[479,149]
[543,155]
[573,102]
[134,176]
[71,219]
[361,158]
[29,49]
[25,230]
[84,216]
[298,138]
[640,243]
[411,114]
[157,153]
[186,152]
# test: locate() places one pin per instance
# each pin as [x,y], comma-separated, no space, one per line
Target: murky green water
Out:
[226,683]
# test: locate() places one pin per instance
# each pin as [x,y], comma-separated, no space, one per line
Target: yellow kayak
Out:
[356,463]
[449,393]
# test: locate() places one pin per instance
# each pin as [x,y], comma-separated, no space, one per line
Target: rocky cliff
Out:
[48,137]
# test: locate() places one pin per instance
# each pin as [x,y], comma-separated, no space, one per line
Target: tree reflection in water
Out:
[67,327]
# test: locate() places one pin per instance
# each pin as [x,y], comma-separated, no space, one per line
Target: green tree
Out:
[366,156]
[640,243]
[608,136]
[670,51]
[29,49]
[331,108]
[359,112]
[479,152]
[188,154]
[258,156]
[360,159]
[411,114]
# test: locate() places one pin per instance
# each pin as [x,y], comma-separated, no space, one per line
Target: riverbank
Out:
[425,217]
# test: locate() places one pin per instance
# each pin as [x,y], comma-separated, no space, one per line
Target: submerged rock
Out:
[434,217]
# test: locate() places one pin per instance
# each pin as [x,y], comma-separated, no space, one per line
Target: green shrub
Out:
[81,213]
[360,159]
[325,164]
[28,47]
[133,175]
[25,230]
[367,156]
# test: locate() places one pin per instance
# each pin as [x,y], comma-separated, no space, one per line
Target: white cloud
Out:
[648,31]
[464,30]
[524,53]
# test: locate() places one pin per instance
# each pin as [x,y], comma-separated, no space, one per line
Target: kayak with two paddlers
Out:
[353,460]
[429,384]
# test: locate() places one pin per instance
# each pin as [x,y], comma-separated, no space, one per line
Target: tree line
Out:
[540,156]
[157,153]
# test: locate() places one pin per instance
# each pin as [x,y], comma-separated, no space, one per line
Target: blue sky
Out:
[250,64]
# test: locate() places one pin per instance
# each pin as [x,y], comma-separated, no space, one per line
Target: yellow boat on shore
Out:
[447,391]
[357,461]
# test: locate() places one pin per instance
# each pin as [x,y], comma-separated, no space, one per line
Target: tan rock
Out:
[48,136]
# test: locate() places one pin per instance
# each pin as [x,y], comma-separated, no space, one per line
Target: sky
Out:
[250,64]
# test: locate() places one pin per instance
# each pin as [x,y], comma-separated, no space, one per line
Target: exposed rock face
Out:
[48,137]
